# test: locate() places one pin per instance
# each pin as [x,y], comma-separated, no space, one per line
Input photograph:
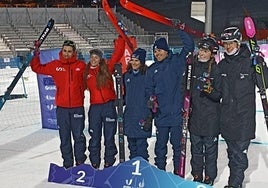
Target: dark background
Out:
[225,12]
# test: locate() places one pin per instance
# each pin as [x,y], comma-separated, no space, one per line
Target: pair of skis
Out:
[186,113]
[118,74]
[120,111]
[42,37]
[258,63]
[116,23]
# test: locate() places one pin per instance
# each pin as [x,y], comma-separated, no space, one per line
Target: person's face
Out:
[160,54]
[135,63]
[230,46]
[94,60]
[67,52]
[204,54]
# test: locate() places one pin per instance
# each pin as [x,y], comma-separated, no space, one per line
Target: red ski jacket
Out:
[106,93]
[68,77]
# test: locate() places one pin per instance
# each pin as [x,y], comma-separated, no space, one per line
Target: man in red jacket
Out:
[67,73]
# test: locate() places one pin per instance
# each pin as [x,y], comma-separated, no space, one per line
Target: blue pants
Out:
[71,122]
[204,151]
[238,161]
[138,147]
[163,134]
[102,116]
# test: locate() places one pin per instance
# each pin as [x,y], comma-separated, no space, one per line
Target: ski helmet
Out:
[208,43]
[231,34]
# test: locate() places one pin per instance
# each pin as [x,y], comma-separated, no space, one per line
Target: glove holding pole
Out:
[178,24]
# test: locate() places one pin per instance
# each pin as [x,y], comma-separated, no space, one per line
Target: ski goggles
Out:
[69,43]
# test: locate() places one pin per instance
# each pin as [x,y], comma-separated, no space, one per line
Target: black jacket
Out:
[204,118]
[238,108]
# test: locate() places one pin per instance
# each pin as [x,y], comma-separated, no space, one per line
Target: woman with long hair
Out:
[102,111]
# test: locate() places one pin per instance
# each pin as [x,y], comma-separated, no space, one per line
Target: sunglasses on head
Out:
[69,43]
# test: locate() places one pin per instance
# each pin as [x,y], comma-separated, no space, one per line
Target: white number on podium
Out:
[82,175]
[137,169]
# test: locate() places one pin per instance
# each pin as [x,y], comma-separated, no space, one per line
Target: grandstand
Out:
[88,27]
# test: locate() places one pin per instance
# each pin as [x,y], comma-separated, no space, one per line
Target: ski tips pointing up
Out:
[249,27]
[51,21]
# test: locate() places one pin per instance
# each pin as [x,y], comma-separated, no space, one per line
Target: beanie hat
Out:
[161,43]
[96,52]
[139,54]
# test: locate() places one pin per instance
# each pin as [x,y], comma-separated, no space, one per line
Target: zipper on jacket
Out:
[69,85]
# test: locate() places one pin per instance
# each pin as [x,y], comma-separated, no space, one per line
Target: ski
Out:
[10,88]
[186,113]
[258,63]
[119,105]
[156,17]
[131,43]
[110,14]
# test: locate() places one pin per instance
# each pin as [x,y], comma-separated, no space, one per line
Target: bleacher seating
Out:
[69,32]
[20,38]
[4,50]
[89,28]
[97,34]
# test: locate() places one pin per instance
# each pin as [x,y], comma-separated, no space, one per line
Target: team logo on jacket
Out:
[128,80]
[78,115]
[108,119]
[155,71]
[60,69]
[77,69]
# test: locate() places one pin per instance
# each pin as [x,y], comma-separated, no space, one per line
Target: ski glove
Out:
[205,85]
[211,93]
[146,124]
[152,103]
[178,24]
[36,48]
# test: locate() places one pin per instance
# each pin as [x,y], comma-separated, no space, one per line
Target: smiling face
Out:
[135,63]
[160,54]
[67,52]
[230,47]
[94,60]
[204,54]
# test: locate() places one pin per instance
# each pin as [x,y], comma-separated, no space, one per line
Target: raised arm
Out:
[119,49]
[37,67]
[188,42]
